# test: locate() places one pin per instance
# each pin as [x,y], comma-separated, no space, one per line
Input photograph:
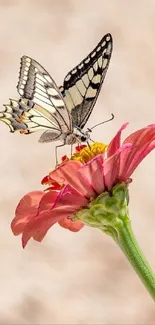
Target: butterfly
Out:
[61,111]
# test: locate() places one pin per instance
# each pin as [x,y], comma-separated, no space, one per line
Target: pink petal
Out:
[149,149]
[70,198]
[71,225]
[140,140]
[112,167]
[48,200]
[116,142]
[68,174]
[93,171]
[151,126]
[67,203]
[26,210]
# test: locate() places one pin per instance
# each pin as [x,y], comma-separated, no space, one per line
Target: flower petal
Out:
[112,167]
[48,181]
[93,171]
[48,201]
[68,174]
[26,210]
[67,203]
[71,225]
[116,142]
[140,140]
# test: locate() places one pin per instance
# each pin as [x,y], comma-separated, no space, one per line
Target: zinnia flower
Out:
[75,183]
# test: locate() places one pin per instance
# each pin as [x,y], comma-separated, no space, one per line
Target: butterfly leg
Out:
[88,145]
[56,148]
[71,150]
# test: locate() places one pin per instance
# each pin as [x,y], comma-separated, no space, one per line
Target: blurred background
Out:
[76,278]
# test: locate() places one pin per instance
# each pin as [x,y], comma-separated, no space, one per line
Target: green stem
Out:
[131,249]
[109,213]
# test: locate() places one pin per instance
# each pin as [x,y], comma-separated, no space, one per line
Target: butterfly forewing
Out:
[82,84]
[37,85]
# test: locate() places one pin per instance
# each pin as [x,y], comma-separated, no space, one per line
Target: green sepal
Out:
[107,211]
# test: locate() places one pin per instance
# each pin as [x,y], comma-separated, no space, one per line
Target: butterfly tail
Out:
[12,115]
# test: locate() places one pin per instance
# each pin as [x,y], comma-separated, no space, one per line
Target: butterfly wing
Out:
[35,84]
[27,117]
[82,85]
[12,116]
[41,105]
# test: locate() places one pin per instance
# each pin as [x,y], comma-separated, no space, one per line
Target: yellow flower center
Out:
[89,152]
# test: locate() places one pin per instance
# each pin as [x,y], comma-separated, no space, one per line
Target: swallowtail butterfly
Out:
[61,111]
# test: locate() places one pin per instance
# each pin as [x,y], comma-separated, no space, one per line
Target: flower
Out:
[75,183]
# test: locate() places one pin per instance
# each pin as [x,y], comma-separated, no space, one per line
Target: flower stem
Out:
[109,212]
[128,244]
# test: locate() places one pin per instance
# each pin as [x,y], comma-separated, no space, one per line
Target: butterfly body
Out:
[77,136]
[61,111]
[69,138]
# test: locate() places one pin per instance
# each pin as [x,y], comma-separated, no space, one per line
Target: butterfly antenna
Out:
[112,117]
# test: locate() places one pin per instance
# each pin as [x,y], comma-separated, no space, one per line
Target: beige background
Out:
[79,278]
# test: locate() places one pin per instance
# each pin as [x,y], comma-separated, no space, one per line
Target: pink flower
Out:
[75,184]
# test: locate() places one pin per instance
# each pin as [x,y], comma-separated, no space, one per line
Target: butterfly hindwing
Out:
[27,117]
[10,116]
[82,84]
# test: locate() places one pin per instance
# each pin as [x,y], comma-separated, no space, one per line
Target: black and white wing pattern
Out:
[82,85]
[13,115]
[41,105]
[27,117]
[36,85]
